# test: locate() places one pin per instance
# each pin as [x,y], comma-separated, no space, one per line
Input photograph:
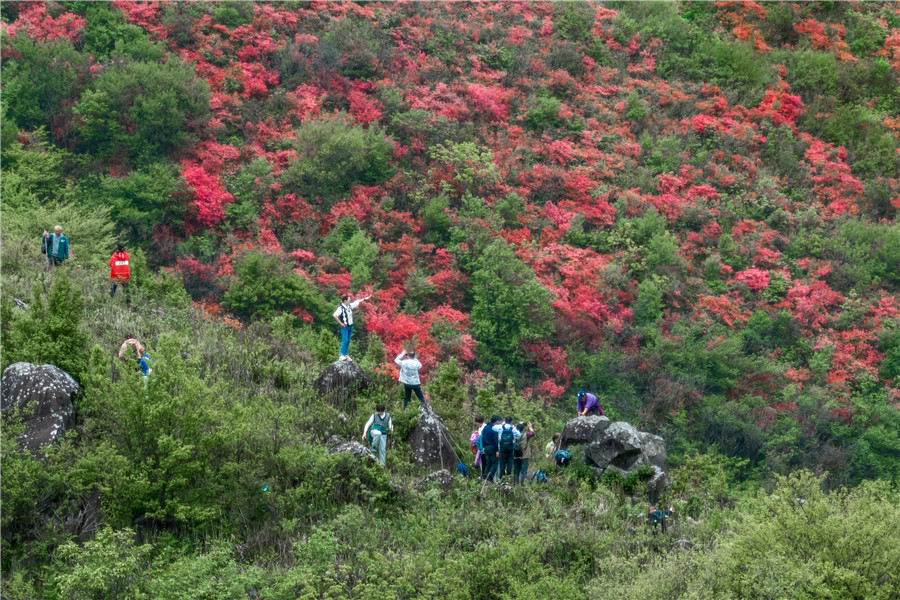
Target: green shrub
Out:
[263,286]
[333,156]
[142,109]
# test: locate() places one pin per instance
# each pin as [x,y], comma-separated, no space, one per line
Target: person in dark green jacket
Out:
[56,246]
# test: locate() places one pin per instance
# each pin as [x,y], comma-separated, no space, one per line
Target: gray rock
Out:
[340,382]
[623,449]
[443,478]
[334,440]
[43,396]
[354,448]
[20,304]
[430,441]
[581,430]
[683,545]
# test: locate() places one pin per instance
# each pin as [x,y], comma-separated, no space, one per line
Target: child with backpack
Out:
[507,435]
[376,431]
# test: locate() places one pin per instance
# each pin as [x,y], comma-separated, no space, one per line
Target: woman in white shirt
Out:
[344,316]
[409,376]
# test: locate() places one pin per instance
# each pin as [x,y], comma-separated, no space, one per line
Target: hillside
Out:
[686,208]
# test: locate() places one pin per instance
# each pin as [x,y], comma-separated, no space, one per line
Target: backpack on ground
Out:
[562,458]
[462,470]
[539,477]
[507,439]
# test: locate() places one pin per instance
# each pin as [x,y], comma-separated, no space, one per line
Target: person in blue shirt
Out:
[506,440]
[491,454]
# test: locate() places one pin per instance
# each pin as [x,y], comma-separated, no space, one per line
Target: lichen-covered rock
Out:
[43,395]
[430,441]
[580,430]
[334,440]
[354,448]
[443,478]
[622,448]
[682,544]
[340,382]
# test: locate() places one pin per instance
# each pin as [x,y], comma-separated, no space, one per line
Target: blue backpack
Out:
[562,458]
[539,477]
[462,470]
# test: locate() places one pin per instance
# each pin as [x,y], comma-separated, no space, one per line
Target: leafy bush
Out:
[263,286]
[142,109]
[333,155]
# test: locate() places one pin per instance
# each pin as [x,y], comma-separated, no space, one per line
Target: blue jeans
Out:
[520,470]
[489,462]
[408,390]
[506,463]
[346,333]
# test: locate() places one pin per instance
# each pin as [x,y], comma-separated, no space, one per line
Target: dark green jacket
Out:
[62,251]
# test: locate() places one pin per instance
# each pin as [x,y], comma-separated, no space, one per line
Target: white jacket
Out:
[409,370]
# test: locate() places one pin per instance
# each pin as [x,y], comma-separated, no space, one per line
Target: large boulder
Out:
[430,441]
[442,478]
[43,395]
[340,382]
[623,449]
[580,430]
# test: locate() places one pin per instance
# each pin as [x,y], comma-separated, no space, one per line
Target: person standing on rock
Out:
[56,246]
[587,405]
[409,376]
[376,431]
[120,272]
[491,454]
[523,454]
[344,316]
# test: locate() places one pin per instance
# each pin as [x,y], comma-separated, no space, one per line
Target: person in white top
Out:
[409,376]
[381,425]
[344,316]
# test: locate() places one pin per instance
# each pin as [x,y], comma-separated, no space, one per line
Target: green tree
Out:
[263,286]
[143,109]
[333,155]
[509,305]
[358,255]
[50,332]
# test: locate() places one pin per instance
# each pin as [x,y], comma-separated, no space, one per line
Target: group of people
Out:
[502,448]
[56,247]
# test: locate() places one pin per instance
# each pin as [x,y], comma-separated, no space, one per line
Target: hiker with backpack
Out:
[490,453]
[507,436]
[56,246]
[659,517]
[409,376]
[344,316]
[523,451]
[587,405]
[376,431]
[120,272]
[475,441]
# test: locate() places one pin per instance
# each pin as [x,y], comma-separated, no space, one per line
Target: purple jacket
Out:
[589,402]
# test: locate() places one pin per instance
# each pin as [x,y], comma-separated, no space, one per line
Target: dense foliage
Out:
[688,208]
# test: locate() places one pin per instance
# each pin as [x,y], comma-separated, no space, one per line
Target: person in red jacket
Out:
[119,272]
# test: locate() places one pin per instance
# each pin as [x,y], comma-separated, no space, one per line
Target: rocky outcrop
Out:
[430,441]
[354,448]
[580,430]
[621,448]
[443,478]
[43,395]
[340,382]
